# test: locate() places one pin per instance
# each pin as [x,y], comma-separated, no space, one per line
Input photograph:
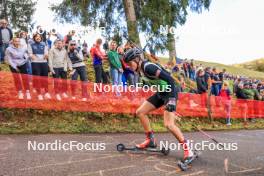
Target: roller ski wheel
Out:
[185,164]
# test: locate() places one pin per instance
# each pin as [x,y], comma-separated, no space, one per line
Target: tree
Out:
[132,16]
[18,13]
[166,13]
[110,14]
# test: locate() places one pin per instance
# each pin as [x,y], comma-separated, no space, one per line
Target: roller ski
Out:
[149,145]
[122,147]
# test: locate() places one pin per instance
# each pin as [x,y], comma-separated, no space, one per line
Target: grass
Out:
[29,121]
[257,65]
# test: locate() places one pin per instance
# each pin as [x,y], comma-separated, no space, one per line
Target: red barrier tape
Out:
[193,105]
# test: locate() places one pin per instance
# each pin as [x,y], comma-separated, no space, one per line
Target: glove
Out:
[171,105]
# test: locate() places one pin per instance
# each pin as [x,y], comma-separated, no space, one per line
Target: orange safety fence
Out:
[110,100]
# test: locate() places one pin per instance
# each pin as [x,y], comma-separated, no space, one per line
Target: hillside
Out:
[257,65]
[232,69]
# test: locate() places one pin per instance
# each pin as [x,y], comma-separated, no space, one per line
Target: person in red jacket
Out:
[97,58]
[225,95]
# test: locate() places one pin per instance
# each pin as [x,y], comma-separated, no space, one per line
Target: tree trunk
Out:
[131,21]
[171,48]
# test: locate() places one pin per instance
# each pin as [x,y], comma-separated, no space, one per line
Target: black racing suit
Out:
[159,99]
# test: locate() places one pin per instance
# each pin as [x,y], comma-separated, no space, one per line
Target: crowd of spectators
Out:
[49,53]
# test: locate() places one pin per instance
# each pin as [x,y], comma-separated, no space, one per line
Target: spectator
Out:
[23,39]
[97,56]
[221,77]
[85,44]
[252,94]
[241,96]
[24,44]
[262,94]
[201,86]
[236,83]
[256,106]
[68,38]
[259,87]
[79,45]
[191,69]
[128,75]
[127,46]
[43,34]
[53,36]
[207,78]
[85,49]
[215,82]
[201,83]
[79,69]
[176,68]
[58,64]
[185,68]
[49,42]
[38,52]
[225,95]
[115,64]
[6,36]
[256,92]
[105,46]
[17,59]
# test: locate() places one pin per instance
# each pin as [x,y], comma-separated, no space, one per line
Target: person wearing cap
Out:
[167,96]
[79,69]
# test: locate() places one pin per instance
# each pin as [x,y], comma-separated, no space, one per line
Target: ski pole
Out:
[208,136]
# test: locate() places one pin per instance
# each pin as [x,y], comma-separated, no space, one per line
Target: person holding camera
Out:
[79,69]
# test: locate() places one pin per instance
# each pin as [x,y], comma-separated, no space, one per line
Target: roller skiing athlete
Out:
[156,75]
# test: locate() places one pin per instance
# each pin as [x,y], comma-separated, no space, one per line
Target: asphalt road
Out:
[17,159]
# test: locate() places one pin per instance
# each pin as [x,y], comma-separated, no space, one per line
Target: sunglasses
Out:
[73,44]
